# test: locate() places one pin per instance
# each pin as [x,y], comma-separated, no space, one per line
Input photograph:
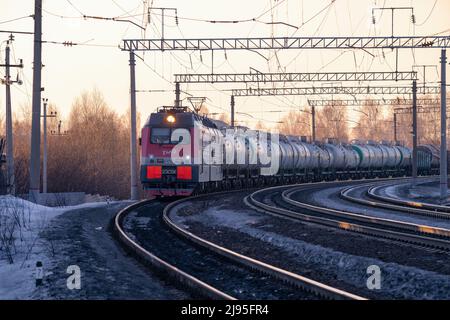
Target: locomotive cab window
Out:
[165,136]
[160,135]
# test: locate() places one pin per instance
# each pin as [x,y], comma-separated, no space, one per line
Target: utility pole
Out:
[44,160]
[10,176]
[232,111]
[313,123]
[443,162]
[133,148]
[424,66]
[395,127]
[36,105]
[413,20]
[59,132]
[177,95]
[414,133]
[163,11]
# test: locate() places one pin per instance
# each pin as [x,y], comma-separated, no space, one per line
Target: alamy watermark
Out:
[235,147]
[374,280]
[74,280]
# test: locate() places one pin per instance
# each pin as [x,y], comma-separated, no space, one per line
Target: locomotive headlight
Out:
[170,119]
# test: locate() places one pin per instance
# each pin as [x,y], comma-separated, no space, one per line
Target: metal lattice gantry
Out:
[376,102]
[420,109]
[331,90]
[260,77]
[406,42]
[285,43]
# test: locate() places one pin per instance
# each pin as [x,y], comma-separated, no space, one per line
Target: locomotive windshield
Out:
[164,135]
[160,135]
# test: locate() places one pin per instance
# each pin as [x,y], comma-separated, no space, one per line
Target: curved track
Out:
[293,202]
[368,195]
[374,193]
[146,229]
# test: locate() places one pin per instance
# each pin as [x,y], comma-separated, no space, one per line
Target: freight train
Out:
[184,153]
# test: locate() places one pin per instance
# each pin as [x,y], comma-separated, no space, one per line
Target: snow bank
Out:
[21,223]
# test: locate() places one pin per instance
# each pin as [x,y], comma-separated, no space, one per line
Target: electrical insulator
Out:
[413,19]
[176,19]
[373,20]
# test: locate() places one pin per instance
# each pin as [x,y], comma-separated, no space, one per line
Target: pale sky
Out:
[100,63]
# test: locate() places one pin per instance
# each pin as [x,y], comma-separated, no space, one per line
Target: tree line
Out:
[93,156]
[372,122]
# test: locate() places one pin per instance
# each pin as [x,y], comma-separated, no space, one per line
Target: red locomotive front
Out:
[171,163]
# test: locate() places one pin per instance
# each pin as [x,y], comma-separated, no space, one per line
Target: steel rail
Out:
[273,271]
[415,235]
[412,204]
[160,264]
[412,207]
[383,222]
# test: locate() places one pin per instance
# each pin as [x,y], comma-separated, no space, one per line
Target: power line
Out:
[73,6]
[72,44]
[429,15]
[15,19]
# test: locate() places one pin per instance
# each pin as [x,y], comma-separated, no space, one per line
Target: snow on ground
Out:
[399,280]
[21,247]
[325,197]
[423,192]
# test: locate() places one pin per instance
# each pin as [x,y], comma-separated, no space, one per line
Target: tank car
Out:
[432,151]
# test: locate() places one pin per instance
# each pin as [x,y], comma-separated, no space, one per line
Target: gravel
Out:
[148,229]
[331,256]
[83,238]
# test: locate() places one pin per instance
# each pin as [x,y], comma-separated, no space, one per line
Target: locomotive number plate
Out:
[169,171]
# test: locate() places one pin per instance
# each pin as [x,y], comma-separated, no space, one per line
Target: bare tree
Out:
[296,123]
[261,126]
[332,123]
[372,123]
[204,110]
[224,117]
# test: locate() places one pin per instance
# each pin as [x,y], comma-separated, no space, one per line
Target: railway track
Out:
[368,195]
[373,193]
[279,201]
[146,230]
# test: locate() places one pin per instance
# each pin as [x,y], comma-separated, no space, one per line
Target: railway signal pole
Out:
[36,105]
[10,175]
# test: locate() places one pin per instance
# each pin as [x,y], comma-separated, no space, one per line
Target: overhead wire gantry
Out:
[285,43]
